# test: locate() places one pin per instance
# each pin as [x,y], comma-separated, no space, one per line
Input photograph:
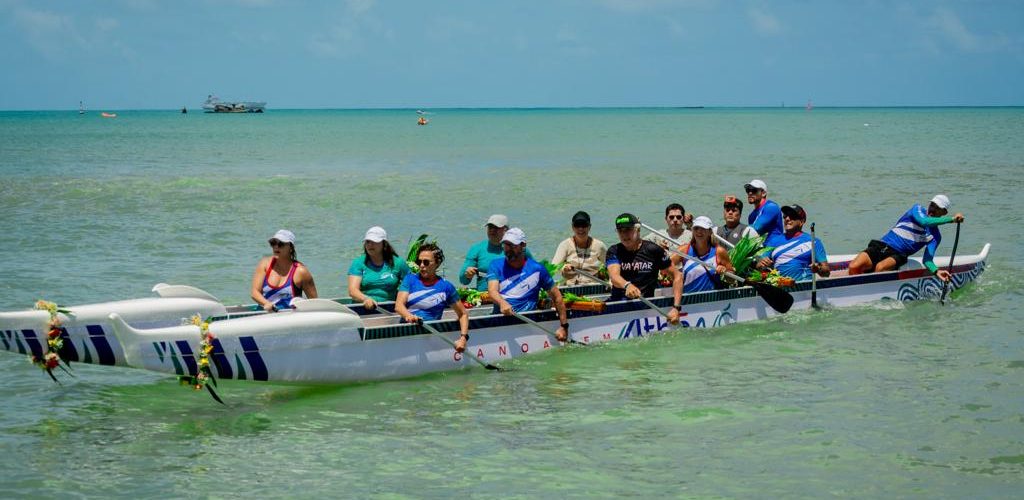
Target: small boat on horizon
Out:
[108,115]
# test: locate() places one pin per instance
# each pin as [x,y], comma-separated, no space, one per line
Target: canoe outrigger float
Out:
[325,342]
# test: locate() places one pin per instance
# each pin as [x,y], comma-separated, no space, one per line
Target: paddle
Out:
[608,284]
[431,329]
[814,275]
[543,328]
[949,268]
[777,298]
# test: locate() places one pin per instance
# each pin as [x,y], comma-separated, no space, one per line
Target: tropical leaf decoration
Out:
[744,254]
[414,250]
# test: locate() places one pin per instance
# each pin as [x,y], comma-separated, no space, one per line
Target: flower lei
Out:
[773,278]
[54,343]
[203,375]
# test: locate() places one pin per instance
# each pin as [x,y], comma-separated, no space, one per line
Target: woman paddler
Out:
[374,276]
[697,278]
[280,278]
[424,295]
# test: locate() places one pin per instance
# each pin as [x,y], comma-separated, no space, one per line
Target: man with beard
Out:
[633,266]
[793,256]
[514,282]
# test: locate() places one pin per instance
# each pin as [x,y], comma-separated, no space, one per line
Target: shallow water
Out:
[909,400]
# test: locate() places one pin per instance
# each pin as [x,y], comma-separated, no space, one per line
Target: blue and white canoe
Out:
[324,342]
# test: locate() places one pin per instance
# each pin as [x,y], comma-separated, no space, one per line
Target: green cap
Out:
[626,220]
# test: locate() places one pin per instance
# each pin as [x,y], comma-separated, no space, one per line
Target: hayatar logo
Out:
[637,266]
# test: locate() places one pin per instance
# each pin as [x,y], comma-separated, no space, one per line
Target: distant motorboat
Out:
[213,104]
[108,115]
[81,108]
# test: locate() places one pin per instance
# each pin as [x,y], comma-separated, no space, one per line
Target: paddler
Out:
[733,230]
[634,263]
[677,224]
[793,257]
[480,255]
[281,277]
[915,229]
[514,282]
[424,295]
[580,251]
[765,216]
[374,276]
[703,246]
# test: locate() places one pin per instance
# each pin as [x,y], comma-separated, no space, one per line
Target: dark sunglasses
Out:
[674,217]
[753,191]
[732,207]
[424,262]
[277,243]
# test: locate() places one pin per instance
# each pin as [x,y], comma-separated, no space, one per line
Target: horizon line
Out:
[543,108]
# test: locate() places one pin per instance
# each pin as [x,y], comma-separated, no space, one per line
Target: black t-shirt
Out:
[639,268]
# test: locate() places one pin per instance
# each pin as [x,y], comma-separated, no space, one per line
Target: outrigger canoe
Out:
[325,342]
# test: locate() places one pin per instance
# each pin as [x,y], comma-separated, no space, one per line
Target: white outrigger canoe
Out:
[324,342]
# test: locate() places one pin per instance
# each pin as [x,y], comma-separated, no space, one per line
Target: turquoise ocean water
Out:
[912,400]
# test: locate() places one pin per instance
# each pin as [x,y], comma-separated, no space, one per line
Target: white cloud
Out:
[948,26]
[764,22]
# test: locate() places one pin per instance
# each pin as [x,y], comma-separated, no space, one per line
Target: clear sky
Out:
[136,54]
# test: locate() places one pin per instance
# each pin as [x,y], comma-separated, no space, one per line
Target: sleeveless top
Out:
[696,277]
[281,296]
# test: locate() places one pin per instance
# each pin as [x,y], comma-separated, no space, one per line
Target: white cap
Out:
[703,222]
[757,184]
[514,236]
[497,220]
[284,236]
[376,234]
[941,201]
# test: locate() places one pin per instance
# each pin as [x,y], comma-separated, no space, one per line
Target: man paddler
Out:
[793,257]
[514,282]
[634,263]
[480,255]
[766,216]
[917,228]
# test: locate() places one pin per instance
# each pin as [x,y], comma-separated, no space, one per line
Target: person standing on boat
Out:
[703,246]
[514,283]
[375,276]
[733,230]
[766,216]
[281,277]
[424,295]
[915,229]
[634,264]
[677,223]
[793,257]
[580,251]
[480,255]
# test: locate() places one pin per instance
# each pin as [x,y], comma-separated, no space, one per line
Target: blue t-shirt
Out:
[914,230]
[767,220]
[520,287]
[428,302]
[480,256]
[793,257]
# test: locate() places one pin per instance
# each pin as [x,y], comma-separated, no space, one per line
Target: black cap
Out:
[581,219]
[794,211]
[626,220]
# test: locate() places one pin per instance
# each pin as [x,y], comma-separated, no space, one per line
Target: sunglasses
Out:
[424,262]
[277,243]
[732,207]
[753,191]
[674,217]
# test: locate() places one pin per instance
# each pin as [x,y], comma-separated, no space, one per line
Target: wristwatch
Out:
[466,336]
[678,307]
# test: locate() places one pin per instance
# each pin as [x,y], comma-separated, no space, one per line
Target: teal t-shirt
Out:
[379,283]
[480,257]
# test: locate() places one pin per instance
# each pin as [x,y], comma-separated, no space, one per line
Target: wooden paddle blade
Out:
[777,298]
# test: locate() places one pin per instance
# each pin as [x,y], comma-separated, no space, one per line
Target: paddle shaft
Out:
[814,274]
[949,268]
[539,326]
[690,258]
[434,331]
[608,284]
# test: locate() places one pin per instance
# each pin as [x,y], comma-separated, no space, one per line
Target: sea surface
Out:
[915,400]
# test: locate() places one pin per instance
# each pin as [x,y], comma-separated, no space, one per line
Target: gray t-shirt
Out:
[733,236]
[662,242]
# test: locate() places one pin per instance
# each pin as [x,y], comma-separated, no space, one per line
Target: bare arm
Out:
[556,298]
[460,313]
[401,309]
[494,292]
[354,282]
[305,282]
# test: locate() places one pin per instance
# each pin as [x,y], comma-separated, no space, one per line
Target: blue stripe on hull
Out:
[252,355]
[99,340]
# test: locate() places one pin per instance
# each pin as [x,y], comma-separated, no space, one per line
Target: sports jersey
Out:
[767,219]
[379,283]
[697,278]
[520,287]
[915,229]
[280,296]
[639,268]
[793,257]
[480,256]
[428,301]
